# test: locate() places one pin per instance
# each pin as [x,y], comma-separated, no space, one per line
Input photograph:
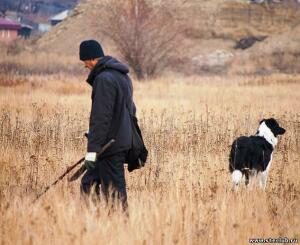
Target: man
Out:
[109,119]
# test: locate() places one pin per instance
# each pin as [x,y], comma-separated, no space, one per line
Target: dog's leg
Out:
[262,179]
[264,175]
[246,177]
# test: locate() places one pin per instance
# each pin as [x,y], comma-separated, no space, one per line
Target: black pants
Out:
[109,173]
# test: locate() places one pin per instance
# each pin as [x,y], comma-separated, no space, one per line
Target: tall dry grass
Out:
[28,62]
[182,196]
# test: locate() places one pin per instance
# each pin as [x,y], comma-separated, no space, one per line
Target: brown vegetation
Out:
[27,63]
[182,196]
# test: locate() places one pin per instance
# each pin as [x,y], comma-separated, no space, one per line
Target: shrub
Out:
[143,33]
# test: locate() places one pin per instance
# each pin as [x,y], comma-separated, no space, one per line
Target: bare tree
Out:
[145,34]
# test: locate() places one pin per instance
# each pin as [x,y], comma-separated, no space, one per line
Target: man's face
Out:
[90,64]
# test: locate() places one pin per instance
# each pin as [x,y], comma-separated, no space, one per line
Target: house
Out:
[59,17]
[8,30]
[43,27]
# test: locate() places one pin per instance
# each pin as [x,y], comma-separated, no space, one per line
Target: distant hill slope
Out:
[212,25]
[279,53]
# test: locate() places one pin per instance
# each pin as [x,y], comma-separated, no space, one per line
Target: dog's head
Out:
[270,129]
[273,125]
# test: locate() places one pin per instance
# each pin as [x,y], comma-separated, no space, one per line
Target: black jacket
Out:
[110,119]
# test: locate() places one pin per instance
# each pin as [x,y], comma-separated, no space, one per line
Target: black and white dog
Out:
[250,156]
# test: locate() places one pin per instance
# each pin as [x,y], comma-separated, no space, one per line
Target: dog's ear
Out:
[262,121]
[274,126]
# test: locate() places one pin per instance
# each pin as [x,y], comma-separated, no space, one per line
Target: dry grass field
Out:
[182,196]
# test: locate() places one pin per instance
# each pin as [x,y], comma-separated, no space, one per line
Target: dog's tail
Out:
[236,177]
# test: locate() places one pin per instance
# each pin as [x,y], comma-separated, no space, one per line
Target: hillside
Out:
[213,28]
[279,53]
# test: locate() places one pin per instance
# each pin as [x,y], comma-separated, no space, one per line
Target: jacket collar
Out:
[99,67]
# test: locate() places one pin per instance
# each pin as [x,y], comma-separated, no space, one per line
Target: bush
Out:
[143,33]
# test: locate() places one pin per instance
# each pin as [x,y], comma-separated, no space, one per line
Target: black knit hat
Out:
[90,49]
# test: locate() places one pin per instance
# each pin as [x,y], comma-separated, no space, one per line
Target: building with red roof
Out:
[8,30]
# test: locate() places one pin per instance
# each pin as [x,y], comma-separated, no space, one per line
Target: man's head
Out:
[90,51]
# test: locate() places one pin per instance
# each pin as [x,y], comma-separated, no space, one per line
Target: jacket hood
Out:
[107,62]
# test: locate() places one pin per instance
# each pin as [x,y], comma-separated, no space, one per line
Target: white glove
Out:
[91,156]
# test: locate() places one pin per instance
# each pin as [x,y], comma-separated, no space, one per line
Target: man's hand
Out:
[90,160]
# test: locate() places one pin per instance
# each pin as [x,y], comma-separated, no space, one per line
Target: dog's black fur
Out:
[254,152]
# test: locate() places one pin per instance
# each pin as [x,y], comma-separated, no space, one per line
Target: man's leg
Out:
[113,185]
[88,180]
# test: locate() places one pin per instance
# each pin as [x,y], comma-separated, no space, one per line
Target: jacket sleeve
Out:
[105,93]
